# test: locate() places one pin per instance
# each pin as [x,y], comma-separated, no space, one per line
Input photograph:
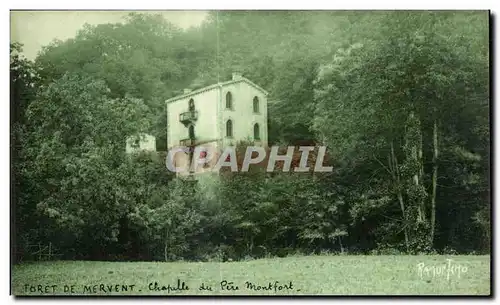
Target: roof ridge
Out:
[219,84]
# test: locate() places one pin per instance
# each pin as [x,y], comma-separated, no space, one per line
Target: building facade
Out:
[142,142]
[218,116]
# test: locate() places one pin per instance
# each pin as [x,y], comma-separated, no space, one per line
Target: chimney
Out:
[237,75]
[186,91]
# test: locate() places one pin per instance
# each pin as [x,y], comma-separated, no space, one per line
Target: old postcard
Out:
[180,153]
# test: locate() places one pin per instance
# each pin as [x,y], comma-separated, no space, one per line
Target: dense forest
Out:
[401,100]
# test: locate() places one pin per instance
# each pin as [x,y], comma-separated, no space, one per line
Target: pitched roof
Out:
[241,79]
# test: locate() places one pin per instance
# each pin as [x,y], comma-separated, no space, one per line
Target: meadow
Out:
[302,275]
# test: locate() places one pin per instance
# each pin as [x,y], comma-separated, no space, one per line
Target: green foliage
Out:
[401,100]
[379,94]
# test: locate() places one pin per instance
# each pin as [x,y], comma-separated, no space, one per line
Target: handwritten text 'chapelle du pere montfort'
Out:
[203,156]
[161,288]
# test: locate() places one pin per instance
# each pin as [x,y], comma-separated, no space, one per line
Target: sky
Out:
[35,29]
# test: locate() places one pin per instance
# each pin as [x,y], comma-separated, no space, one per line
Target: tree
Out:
[74,148]
[394,98]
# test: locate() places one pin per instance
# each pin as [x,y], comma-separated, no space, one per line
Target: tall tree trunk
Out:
[416,155]
[414,159]
[393,163]
[434,181]
[165,249]
[421,175]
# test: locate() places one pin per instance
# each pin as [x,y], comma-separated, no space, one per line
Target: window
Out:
[229,100]
[191,132]
[229,128]
[256,105]
[191,105]
[256,131]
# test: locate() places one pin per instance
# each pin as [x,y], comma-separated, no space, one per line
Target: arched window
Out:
[191,105]
[256,131]
[229,128]
[191,132]
[256,104]
[229,100]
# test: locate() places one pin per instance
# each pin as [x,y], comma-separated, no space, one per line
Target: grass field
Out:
[308,275]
